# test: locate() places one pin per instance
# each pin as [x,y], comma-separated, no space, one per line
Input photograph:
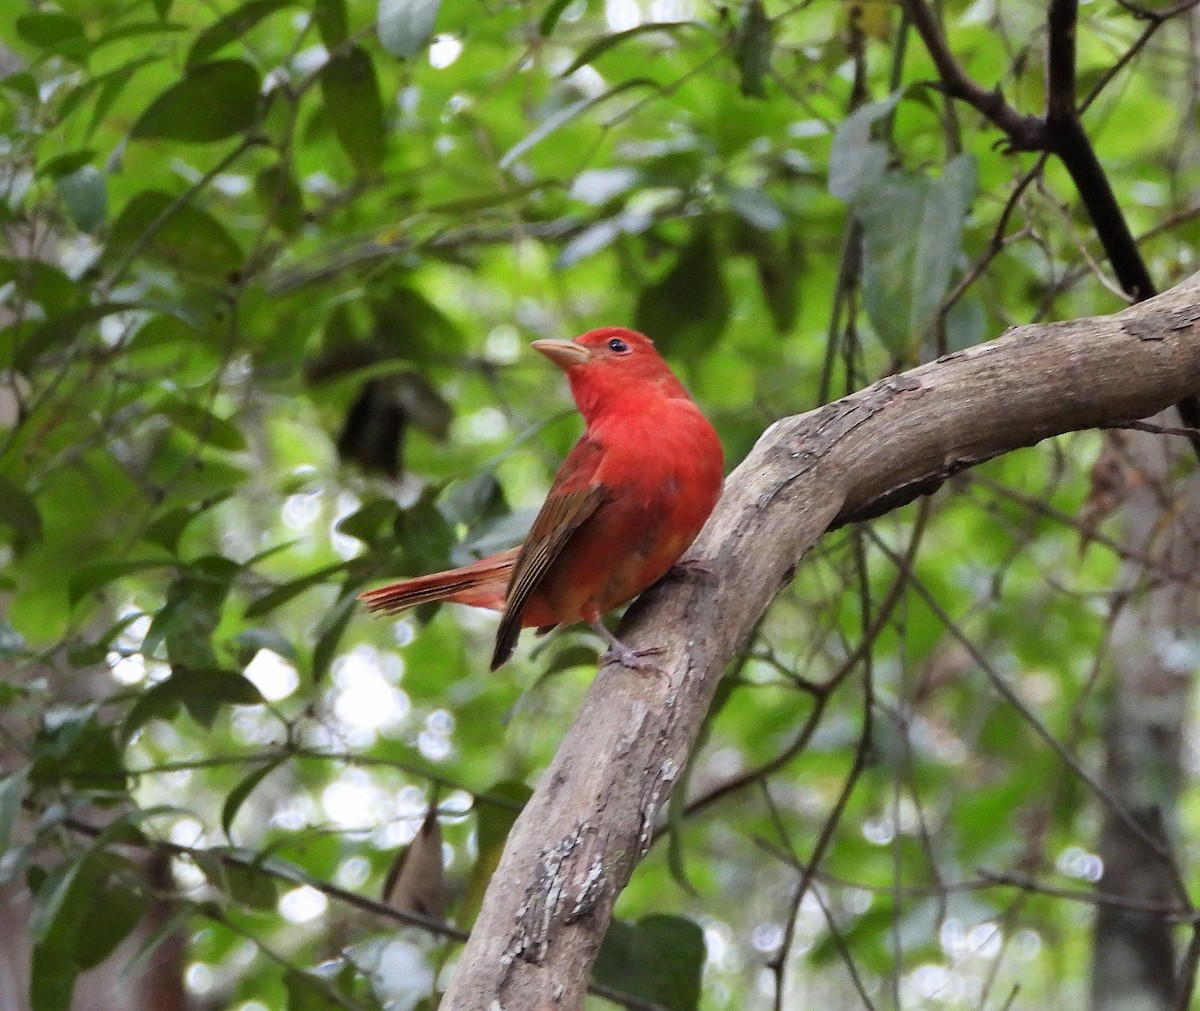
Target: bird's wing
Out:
[573,497]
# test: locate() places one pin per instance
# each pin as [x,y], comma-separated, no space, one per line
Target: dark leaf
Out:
[231,28]
[660,959]
[195,419]
[551,15]
[689,307]
[286,591]
[355,108]
[329,634]
[753,48]
[239,794]
[280,198]
[92,576]
[19,512]
[332,21]
[114,910]
[213,101]
[182,235]
[56,33]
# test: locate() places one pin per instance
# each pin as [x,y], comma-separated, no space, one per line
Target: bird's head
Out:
[609,365]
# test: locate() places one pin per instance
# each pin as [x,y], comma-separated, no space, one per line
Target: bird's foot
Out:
[634,659]
[626,656]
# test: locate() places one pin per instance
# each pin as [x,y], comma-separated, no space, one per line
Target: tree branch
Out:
[592,816]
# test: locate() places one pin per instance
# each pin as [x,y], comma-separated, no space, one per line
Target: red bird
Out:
[628,500]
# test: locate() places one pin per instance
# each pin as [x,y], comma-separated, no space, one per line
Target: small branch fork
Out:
[1059,131]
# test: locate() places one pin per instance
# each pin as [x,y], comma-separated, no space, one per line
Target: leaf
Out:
[12,792]
[280,197]
[203,692]
[57,34]
[231,28]
[857,161]
[606,42]
[93,575]
[550,16]
[355,108]
[305,992]
[912,243]
[405,25]
[182,235]
[329,633]
[60,906]
[553,122]
[85,192]
[493,822]
[19,512]
[660,959]
[332,21]
[213,101]
[114,910]
[690,306]
[210,429]
[752,48]
[293,588]
[239,794]
[415,881]
[64,164]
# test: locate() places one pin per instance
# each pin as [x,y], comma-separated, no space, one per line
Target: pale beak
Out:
[564,354]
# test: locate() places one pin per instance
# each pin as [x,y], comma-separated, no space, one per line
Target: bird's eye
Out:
[618,345]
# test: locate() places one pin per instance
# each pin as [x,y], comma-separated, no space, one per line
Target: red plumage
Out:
[628,500]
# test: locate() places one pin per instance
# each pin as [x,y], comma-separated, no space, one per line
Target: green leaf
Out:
[56,33]
[204,691]
[856,160]
[493,822]
[405,25]
[213,101]
[231,28]
[93,575]
[606,42]
[660,959]
[12,792]
[355,108]
[239,794]
[209,428]
[752,48]
[182,235]
[114,910]
[60,907]
[689,307]
[329,634]
[293,588]
[912,244]
[85,192]
[550,16]
[305,992]
[559,119]
[64,164]
[332,21]
[280,197]
[19,512]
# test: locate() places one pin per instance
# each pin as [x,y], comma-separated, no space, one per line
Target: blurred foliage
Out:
[269,272]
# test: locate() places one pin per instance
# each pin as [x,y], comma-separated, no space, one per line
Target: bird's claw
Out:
[633,659]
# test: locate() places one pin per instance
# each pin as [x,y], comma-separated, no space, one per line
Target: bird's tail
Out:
[479,584]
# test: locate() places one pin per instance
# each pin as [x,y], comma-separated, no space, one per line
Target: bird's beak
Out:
[564,354]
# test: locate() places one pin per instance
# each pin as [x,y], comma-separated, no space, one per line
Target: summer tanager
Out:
[628,500]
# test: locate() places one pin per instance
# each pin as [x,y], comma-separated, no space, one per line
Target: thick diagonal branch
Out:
[592,816]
